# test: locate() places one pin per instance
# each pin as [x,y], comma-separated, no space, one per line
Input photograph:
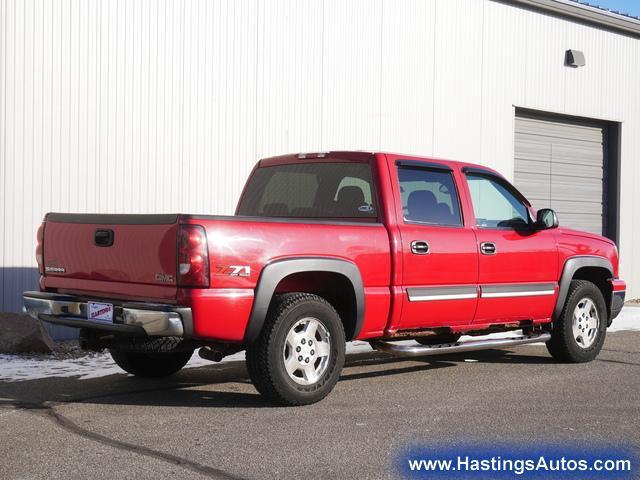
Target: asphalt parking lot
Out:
[209,422]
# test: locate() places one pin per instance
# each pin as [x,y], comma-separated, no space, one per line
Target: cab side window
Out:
[429,196]
[494,205]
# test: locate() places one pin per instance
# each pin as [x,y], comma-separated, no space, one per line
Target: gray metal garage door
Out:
[560,165]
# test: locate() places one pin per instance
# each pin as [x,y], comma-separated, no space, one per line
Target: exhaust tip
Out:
[211,355]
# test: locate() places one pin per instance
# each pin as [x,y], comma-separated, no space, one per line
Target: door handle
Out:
[419,247]
[488,248]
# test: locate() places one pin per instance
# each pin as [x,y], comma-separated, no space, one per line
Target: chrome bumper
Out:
[129,317]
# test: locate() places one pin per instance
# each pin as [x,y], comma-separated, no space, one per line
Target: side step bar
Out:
[416,350]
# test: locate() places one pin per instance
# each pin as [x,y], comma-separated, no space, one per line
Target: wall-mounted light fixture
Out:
[574,58]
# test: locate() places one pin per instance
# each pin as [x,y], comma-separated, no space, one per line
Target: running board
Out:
[470,346]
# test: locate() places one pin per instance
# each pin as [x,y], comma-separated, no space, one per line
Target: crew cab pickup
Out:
[326,248]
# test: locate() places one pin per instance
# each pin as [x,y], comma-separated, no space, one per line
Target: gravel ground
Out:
[65,350]
[62,350]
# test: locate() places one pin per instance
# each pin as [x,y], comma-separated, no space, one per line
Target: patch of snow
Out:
[15,368]
[628,320]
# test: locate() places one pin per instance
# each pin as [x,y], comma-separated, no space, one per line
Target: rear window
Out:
[311,190]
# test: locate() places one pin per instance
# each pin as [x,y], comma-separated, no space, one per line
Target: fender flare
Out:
[571,266]
[277,270]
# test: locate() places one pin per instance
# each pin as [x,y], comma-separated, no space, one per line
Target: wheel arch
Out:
[275,275]
[597,270]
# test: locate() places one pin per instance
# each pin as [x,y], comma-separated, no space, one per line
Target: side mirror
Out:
[546,219]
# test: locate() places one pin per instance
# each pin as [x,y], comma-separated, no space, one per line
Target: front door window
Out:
[494,205]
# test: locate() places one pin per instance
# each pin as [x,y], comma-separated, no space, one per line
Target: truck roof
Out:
[362,156]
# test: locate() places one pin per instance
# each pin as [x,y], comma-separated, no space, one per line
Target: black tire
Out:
[265,357]
[564,346]
[150,365]
[438,339]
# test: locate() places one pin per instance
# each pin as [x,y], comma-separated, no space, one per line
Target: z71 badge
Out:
[234,270]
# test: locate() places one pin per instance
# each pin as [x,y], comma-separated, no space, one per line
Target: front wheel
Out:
[153,365]
[298,357]
[578,334]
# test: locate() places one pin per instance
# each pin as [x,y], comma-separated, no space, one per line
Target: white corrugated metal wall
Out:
[164,105]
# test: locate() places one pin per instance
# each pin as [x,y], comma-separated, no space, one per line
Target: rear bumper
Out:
[130,318]
[618,291]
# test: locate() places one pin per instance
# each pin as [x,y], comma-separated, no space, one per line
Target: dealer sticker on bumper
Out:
[100,312]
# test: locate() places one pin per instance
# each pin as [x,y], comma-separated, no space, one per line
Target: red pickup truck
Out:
[326,248]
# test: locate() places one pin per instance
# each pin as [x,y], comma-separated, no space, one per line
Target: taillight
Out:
[39,248]
[193,257]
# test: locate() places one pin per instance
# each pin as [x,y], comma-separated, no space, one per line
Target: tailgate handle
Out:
[103,238]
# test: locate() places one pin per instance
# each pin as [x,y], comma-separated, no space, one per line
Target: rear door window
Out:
[429,196]
[311,190]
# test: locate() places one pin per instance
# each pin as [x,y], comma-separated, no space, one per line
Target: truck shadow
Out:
[504,356]
[223,385]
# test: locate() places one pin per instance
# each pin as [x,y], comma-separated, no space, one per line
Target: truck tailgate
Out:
[113,255]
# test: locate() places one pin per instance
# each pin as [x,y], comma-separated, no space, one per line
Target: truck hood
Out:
[570,232]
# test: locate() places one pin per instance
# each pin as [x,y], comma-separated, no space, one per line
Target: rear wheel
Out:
[298,357]
[578,334]
[150,364]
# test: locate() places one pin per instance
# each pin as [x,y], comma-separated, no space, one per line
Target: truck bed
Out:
[141,265]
